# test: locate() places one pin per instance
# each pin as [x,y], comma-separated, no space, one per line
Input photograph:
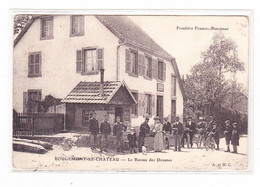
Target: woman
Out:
[158,139]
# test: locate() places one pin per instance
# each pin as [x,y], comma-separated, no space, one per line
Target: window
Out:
[133,62]
[148,101]
[34,64]
[90,60]
[148,67]
[160,70]
[47,28]
[77,26]
[135,106]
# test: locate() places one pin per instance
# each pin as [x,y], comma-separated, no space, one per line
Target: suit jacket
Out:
[192,127]
[144,129]
[118,129]
[178,128]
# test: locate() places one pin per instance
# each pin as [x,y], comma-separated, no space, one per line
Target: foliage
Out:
[20,22]
[49,101]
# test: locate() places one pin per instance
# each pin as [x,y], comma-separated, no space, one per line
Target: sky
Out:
[180,36]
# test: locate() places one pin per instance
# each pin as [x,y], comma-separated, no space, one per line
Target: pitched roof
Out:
[88,92]
[127,31]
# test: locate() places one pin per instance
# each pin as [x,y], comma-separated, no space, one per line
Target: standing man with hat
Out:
[94,130]
[105,129]
[228,134]
[178,131]
[201,132]
[118,132]
[192,128]
[144,129]
[235,137]
[167,129]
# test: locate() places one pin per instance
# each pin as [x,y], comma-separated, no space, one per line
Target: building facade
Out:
[56,52]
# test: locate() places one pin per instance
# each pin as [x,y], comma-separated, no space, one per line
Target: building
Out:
[56,53]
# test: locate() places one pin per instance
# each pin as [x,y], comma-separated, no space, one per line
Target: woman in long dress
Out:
[158,139]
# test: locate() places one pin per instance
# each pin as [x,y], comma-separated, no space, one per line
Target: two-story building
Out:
[62,55]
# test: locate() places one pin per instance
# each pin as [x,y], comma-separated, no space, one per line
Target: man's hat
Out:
[166,118]
[157,118]
[227,121]
[189,117]
[235,124]
[146,118]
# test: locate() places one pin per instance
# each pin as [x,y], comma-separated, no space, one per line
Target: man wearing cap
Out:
[105,129]
[118,129]
[201,132]
[178,130]
[167,129]
[235,137]
[94,129]
[192,128]
[144,129]
[228,134]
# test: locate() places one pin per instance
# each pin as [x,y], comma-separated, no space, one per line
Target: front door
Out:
[159,108]
[119,112]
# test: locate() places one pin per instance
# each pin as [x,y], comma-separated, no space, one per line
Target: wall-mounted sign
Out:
[160,87]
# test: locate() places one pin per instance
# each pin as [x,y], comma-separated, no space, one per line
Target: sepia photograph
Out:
[130,92]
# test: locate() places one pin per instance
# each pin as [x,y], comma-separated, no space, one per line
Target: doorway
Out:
[119,112]
[159,108]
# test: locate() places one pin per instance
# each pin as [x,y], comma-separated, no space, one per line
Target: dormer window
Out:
[77,26]
[47,28]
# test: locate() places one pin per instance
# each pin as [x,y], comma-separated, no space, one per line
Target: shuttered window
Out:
[148,67]
[77,26]
[160,70]
[46,28]
[173,84]
[34,64]
[100,58]
[90,60]
[133,62]
[34,98]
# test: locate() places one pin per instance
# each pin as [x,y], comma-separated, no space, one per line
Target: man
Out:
[144,129]
[167,129]
[186,136]
[118,132]
[228,134]
[201,132]
[94,130]
[192,128]
[178,133]
[216,135]
[235,137]
[105,129]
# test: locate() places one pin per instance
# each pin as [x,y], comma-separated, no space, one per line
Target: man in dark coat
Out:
[118,129]
[167,129]
[178,130]
[105,129]
[192,129]
[228,134]
[94,129]
[144,129]
[235,137]
[215,131]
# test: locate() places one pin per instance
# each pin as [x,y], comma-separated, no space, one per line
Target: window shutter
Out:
[100,58]
[155,68]
[127,60]
[141,64]
[153,105]
[25,102]
[140,104]
[164,71]
[78,61]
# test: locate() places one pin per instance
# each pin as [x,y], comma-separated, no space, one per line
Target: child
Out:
[235,137]
[132,140]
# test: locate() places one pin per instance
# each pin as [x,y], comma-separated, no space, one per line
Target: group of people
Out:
[207,134]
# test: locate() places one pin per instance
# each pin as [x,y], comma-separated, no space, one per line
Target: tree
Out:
[207,87]
[20,22]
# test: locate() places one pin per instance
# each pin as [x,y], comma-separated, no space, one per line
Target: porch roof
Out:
[88,92]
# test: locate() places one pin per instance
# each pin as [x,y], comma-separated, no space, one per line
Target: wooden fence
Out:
[30,124]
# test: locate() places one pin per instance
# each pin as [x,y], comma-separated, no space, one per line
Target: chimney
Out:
[101,87]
